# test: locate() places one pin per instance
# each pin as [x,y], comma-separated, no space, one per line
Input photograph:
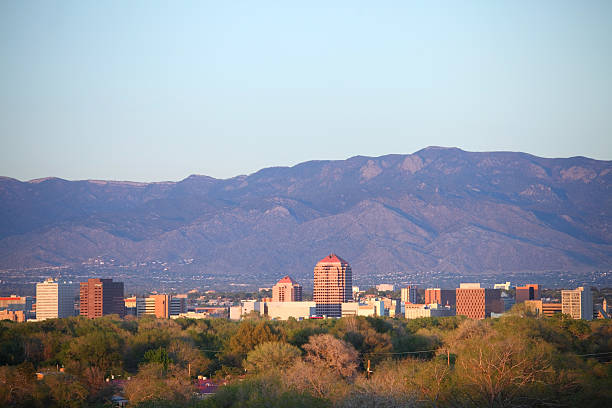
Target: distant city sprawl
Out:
[200,348]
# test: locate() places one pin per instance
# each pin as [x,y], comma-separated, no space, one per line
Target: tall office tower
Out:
[409,294]
[101,297]
[287,290]
[55,299]
[333,281]
[527,292]
[440,296]
[476,302]
[577,303]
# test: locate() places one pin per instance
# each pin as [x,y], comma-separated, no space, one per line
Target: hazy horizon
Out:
[154,91]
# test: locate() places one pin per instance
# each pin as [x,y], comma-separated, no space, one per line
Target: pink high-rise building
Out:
[333,283]
[287,290]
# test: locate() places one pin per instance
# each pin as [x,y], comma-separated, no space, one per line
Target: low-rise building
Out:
[541,308]
[503,286]
[16,303]
[357,309]
[385,287]
[285,310]
[431,310]
[13,315]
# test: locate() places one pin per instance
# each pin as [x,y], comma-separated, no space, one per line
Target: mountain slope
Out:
[439,209]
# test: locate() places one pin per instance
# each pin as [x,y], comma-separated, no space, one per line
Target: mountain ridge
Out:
[438,209]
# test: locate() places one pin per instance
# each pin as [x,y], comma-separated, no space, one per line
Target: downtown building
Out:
[444,297]
[409,294]
[476,302]
[287,290]
[527,292]
[333,285]
[101,297]
[55,299]
[17,308]
[161,306]
[577,303]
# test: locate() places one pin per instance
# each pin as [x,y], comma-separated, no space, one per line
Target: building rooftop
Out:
[287,279]
[333,259]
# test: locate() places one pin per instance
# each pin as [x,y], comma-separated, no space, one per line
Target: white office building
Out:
[55,299]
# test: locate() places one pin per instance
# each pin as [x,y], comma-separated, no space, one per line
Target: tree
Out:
[317,380]
[250,335]
[327,351]
[152,383]
[500,372]
[159,356]
[271,356]
[100,349]
[65,390]
[18,386]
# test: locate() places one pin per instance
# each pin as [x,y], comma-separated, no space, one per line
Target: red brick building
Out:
[476,302]
[101,297]
[440,296]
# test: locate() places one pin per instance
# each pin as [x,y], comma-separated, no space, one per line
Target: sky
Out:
[159,90]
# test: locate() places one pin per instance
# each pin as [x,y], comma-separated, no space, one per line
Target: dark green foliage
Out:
[159,356]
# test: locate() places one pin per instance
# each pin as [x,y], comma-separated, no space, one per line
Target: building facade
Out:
[504,286]
[162,306]
[287,290]
[16,303]
[527,292]
[432,310]
[101,297]
[385,287]
[476,302]
[333,282]
[55,299]
[409,294]
[13,315]
[577,303]
[284,310]
[442,297]
[543,309]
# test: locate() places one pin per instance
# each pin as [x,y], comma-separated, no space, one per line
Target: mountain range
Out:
[439,209]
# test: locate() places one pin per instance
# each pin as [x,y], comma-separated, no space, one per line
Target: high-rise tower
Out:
[287,290]
[101,297]
[333,285]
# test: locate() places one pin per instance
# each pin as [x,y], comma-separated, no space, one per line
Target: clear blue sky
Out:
[149,90]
